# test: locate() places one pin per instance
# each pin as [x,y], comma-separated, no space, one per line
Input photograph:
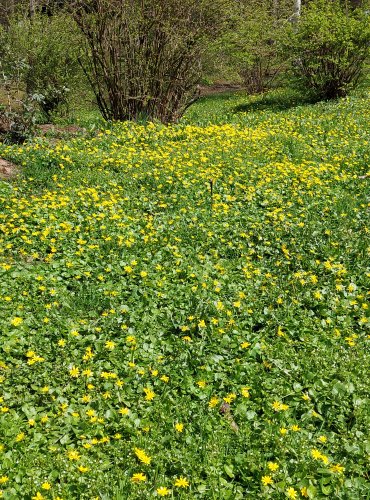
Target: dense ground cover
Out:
[150,275]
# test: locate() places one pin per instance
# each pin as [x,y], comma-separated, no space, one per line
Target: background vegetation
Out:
[145,59]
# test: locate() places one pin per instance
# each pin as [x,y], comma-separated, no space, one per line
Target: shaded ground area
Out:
[275,102]
[219,88]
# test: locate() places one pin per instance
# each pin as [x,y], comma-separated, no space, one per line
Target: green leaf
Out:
[229,471]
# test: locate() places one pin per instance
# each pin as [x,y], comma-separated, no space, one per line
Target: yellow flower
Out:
[245,345]
[179,427]
[74,372]
[337,469]
[267,480]
[162,491]
[273,466]
[291,493]
[229,398]
[181,482]
[20,437]
[38,496]
[83,469]
[277,406]
[202,324]
[316,454]
[46,486]
[4,479]
[16,321]
[219,306]
[213,402]
[304,492]
[139,477]
[325,459]
[110,345]
[124,411]
[149,394]
[88,354]
[202,383]
[73,455]
[142,456]
[245,392]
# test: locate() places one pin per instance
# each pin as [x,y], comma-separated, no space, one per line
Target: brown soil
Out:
[219,88]
[8,170]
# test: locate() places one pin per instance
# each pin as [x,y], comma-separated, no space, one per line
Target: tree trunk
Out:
[32,8]
[275,8]
[297,10]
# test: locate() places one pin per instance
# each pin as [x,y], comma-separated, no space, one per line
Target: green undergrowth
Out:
[184,309]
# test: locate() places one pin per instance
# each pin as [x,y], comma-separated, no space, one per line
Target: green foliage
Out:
[328,47]
[18,111]
[17,124]
[248,47]
[47,49]
[135,301]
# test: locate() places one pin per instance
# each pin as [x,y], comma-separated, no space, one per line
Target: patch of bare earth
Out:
[8,170]
[219,88]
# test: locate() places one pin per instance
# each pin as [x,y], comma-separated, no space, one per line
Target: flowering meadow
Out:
[184,309]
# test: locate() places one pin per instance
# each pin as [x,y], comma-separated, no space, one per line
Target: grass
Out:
[150,275]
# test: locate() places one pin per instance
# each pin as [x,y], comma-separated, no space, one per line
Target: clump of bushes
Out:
[248,48]
[46,48]
[142,58]
[328,47]
[38,69]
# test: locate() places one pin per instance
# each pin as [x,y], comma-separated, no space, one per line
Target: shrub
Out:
[18,110]
[143,57]
[328,47]
[46,46]
[260,62]
[248,47]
